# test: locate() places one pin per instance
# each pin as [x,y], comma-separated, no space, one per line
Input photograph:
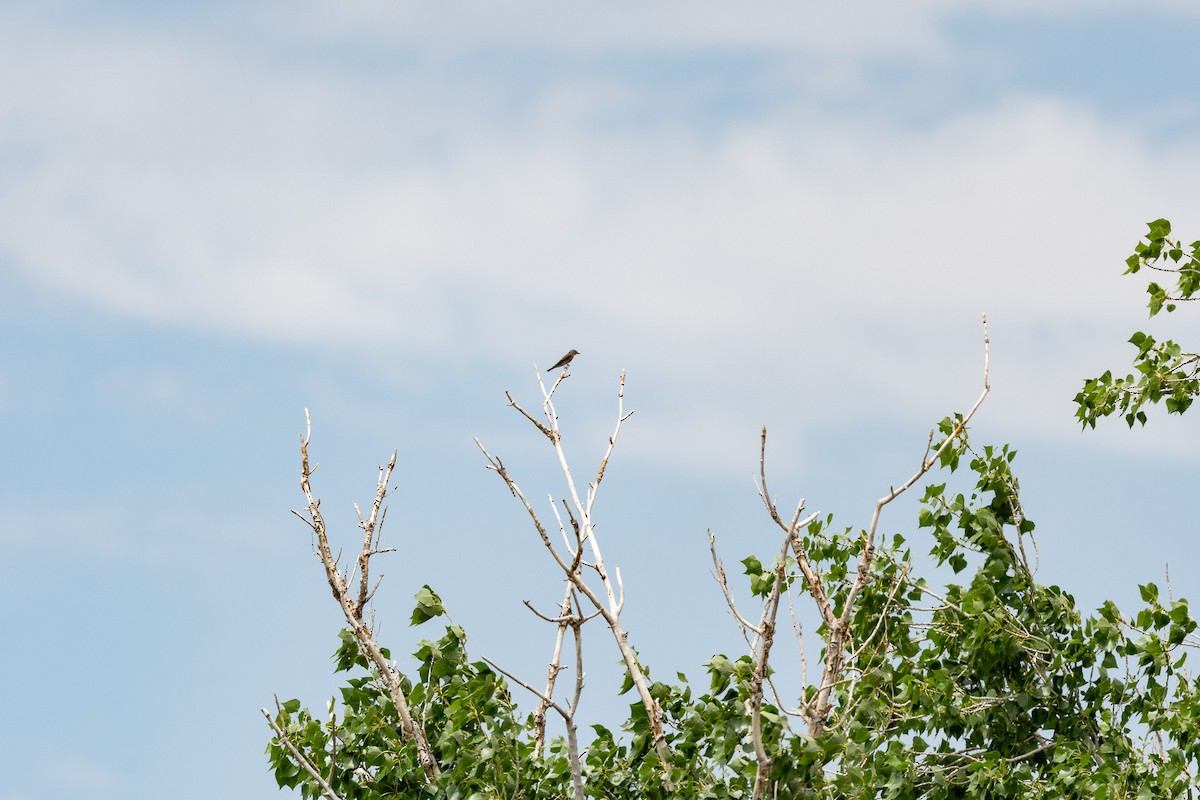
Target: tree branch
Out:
[302,760]
[353,610]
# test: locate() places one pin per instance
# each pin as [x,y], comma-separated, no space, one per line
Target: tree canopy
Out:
[975,680]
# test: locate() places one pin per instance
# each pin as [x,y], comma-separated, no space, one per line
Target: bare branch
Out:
[719,575]
[549,702]
[558,619]
[498,466]
[770,610]
[612,442]
[577,630]
[539,714]
[545,431]
[308,766]
[611,605]
[812,575]
[352,610]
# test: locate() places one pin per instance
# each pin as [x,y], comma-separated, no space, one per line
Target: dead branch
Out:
[611,604]
[545,431]
[351,608]
[767,626]
[301,759]
[564,620]
[812,575]
[719,575]
[372,529]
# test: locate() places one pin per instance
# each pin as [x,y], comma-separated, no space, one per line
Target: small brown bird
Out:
[565,361]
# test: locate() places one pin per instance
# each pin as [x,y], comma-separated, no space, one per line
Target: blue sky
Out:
[213,216]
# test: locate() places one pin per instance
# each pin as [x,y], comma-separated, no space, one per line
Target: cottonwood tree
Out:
[974,680]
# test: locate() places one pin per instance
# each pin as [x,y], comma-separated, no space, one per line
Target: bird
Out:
[565,361]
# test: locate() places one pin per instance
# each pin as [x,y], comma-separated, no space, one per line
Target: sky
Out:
[216,215]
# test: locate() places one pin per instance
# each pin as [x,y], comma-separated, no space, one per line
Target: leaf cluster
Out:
[1163,371]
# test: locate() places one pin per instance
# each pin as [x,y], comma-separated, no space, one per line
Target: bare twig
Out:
[719,575]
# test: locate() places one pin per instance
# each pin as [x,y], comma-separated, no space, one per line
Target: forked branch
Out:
[352,607]
[839,632]
[608,598]
[837,621]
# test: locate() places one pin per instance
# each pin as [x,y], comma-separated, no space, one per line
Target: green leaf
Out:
[429,605]
[1159,230]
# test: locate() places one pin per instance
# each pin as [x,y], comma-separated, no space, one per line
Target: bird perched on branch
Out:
[565,361]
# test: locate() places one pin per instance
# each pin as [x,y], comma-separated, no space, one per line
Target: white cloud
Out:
[861,26]
[837,259]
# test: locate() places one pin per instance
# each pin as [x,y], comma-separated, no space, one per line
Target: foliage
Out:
[970,680]
[1003,689]
[1164,372]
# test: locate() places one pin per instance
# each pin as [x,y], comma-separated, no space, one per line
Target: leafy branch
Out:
[1163,371]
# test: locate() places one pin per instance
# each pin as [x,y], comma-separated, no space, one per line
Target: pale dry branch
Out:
[572,574]
[554,386]
[835,653]
[560,618]
[620,594]
[719,575]
[371,594]
[562,529]
[545,431]
[577,627]
[926,464]
[799,637]
[612,442]
[812,575]
[576,551]
[800,711]
[612,604]
[533,690]
[352,610]
[498,467]
[372,529]
[746,627]
[564,620]
[540,615]
[301,759]
[767,626]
